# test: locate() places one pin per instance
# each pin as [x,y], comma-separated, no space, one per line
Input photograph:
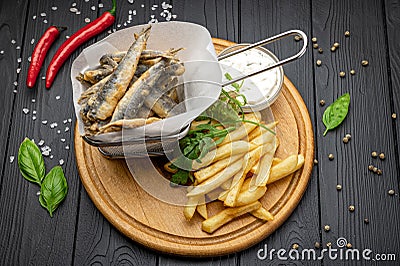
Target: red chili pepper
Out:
[39,53]
[77,39]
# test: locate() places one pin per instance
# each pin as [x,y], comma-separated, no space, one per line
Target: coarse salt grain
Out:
[12,159]
[65,121]
[142,5]
[33,100]
[130,12]
[73,4]
[18,70]
[34,117]
[93,8]
[18,48]
[67,37]
[101,5]
[13,42]
[62,140]
[15,83]
[15,91]
[38,193]
[2,52]
[34,112]
[78,12]
[54,8]
[134,12]
[32,41]
[87,20]
[51,156]
[66,129]
[45,21]
[61,161]
[58,97]
[25,110]
[130,1]
[67,147]
[29,59]
[19,60]
[44,122]
[53,125]
[34,17]
[41,142]
[73,9]
[43,14]
[43,77]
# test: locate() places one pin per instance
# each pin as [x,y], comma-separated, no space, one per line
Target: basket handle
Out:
[264,42]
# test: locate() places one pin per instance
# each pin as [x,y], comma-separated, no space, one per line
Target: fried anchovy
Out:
[103,103]
[92,90]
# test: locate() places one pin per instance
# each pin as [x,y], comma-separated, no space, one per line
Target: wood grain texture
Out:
[261,19]
[37,238]
[368,122]
[161,226]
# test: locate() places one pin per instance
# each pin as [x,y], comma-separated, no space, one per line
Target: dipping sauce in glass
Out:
[260,90]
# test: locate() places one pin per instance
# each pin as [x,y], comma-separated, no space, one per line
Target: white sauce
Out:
[259,88]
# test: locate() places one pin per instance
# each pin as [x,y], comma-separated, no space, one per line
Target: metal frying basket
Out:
[158,146]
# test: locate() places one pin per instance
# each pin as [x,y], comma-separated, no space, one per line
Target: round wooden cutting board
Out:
[162,226]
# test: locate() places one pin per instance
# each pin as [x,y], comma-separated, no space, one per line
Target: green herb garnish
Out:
[53,186]
[336,112]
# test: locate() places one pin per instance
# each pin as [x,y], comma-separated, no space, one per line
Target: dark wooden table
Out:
[78,233]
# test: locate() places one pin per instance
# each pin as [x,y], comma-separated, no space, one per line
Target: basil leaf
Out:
[30,162]
[53,190]
[336,112]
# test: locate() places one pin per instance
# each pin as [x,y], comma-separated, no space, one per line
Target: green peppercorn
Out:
[374,154]
[370,167]
[342,74]
[352,72]
[331,157]
[347,33]
[336,45]
[319,62]
[338,187]
[322,102]
[315,45]
[333,49]
[382,156]
[394,116]
[351,208]
[320,50]
[327,228]
[345,140]
[314,39]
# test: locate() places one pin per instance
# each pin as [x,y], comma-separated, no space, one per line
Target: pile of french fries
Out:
[237,173]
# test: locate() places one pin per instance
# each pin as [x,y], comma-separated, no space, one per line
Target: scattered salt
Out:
[51,156]
[34,117]
[44,122]
[25,110]
[66,129]
[61,161]
[134,12]
[43,14]
[118,25]
[54,8]
[19,60]
[43,77]
[13,42]
[2,52]
[41,142]
[15,83]
[67,147]
[69,120]
[58,97]
[18,48]
[101,5]
[87,20]
[34,17]
[142,5]
[15,91]
[34,112]
[46,150]
[58,131]
[53,125]
[93,8]
[73,4]
[130,12]
[73,9]
[130,1]
[78,12]
[12,159]
[29,59]
[62,140]
[18,70]
[45,21]
[33,100]
[67,37]
[38,193]
[65,121]
[32,41]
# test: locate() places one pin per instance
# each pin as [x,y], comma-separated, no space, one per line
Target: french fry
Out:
[206,173]
[249,160]
[246,196]
[222,152]
[227,184]
[262,214]
[217,180]
[243,130]
[258,131]
[227,215]
[275,161]
[190,207]
[286,167]
[202,207]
